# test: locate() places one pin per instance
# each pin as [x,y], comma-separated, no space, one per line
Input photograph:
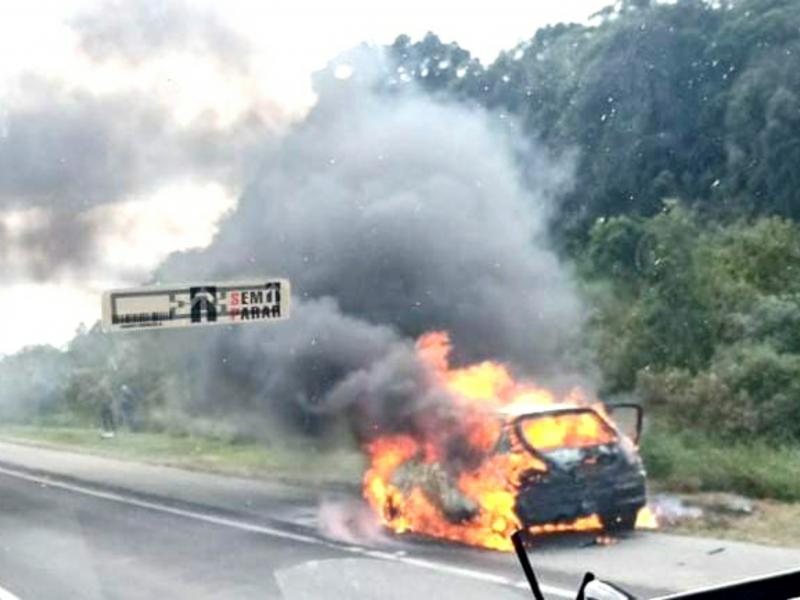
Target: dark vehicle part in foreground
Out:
[606,478]
[778,586]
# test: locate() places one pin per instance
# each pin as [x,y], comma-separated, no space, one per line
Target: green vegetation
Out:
[691,461]
[701,319]
[685,120]
[252,459]
[694,100]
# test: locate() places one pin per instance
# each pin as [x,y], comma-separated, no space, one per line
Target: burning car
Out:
[599,474]
[500,455]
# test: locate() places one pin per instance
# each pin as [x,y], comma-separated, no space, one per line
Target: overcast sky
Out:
[125,126]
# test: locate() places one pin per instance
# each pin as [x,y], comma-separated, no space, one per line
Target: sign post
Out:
[196,305]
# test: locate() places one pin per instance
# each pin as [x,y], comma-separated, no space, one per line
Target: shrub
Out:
[750,390]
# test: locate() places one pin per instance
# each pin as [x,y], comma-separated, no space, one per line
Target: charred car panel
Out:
[606,479]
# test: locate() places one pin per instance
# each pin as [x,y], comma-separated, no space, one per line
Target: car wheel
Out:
[619,521]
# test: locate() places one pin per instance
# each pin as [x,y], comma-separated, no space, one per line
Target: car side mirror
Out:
[595,589]
[628,419]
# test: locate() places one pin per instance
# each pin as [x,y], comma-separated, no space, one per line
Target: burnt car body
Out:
[607,479]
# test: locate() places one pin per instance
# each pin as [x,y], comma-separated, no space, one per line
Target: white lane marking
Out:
[6,595]
[279,533]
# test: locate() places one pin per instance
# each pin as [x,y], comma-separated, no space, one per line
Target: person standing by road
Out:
[107,424]
[127,406]
[107,418]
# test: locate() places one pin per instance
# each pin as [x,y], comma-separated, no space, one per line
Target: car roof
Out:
[522,409]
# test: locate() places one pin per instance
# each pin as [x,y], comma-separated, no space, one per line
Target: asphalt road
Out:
[58,542]
[74,526]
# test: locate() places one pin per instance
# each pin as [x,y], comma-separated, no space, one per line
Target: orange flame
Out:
[646,519]
[477,393]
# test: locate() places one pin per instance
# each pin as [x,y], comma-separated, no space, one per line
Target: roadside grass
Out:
[690,465]
[300,464]
[690,461]
[771,522]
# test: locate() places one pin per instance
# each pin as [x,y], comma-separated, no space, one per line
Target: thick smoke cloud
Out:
[392,214]
[66,150]
[143,29]
[73,150]
[305,372]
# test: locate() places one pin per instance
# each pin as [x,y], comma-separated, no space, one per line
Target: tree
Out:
[763,134]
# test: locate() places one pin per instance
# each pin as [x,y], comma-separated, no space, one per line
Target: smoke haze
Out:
[393,214]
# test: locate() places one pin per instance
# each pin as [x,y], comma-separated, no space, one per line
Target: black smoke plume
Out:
[393,214]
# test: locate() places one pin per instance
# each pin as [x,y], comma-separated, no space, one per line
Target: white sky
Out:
[290,39]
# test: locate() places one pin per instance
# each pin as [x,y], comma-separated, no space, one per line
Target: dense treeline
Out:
[684,120]
[694,100]
[701,319]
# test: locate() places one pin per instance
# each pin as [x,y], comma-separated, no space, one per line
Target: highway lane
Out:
[60,539]
[95,527]
[58,543]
